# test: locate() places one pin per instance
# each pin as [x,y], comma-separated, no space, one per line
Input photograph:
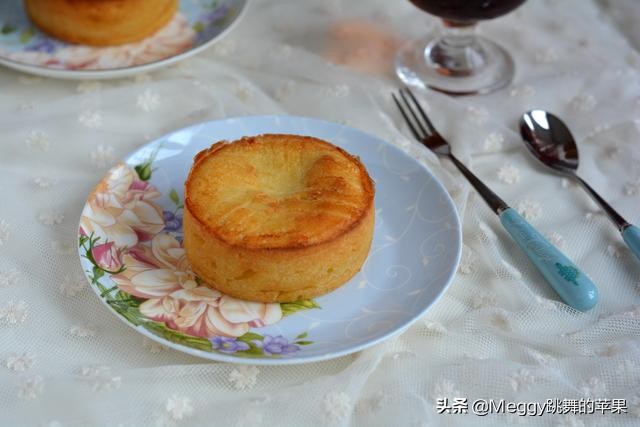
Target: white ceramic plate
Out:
[196,25]
[130,248]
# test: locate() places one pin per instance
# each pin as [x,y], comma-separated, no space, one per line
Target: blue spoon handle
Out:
[631,236]
[573,286]
[630,233]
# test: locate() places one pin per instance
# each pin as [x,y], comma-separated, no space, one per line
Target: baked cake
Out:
[277,218]
[100,22]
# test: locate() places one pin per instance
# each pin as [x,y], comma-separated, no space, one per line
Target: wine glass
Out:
[458,62]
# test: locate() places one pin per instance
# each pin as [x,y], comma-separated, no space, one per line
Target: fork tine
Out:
[413,113]
[432,129]
[414,130]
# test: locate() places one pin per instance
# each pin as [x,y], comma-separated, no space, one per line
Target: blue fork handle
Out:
[631,236]
[574,287]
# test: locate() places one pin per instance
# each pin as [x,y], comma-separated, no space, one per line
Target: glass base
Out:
[415,67]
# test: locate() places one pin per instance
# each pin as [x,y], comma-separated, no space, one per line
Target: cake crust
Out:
[277,217]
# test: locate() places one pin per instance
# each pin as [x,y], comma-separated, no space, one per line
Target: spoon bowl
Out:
[550,141]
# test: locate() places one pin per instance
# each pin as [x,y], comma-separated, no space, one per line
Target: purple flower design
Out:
[211,22]
[228,345]
[172,222]
[216,14]
[44,44]
[277,345]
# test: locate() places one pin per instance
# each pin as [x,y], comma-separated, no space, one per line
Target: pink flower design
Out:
[157,270]
[121,210]
[161,273]
[107,256]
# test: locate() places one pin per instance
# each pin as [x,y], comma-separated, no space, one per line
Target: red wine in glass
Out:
[458,62]
[467,11]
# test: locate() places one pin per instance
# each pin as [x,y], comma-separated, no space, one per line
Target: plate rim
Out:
[218,357]
[121,72]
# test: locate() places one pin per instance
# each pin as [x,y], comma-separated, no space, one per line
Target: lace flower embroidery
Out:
[50,217]
[499,320]
[337,405]
[91,119]
[529,209]
[541,358]
[467,261]
[243,91]
[509,174]
[632,188]
[525,90]
[9,278]
[31,388]
[43,181]
[445,389]
[148,101]
[61,247]
[38,140]
[100,378]
[482,300]
[546,56]
[224,48]
[583,102]
[546,303]
[521,380]
[83,331]
[285,90]
[27,106]
[14,312]
[152,346]
[627,368]
[102,156]
[493,142]
[20,362]
[435,327]
[615,250]
[244,377]
[607,350]
[508,270]
[179,407]
[478,115]
[72,285]
[556,239]
[593,388]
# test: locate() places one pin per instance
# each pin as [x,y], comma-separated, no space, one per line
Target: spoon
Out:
[551,142]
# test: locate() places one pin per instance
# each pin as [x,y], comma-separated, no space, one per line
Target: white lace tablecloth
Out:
[499,332]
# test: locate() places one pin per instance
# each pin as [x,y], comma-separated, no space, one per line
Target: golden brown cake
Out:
[277,218]
[100,22]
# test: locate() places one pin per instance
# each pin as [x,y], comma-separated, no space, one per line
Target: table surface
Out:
[499,332]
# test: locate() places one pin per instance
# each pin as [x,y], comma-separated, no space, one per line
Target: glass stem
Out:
[456,52]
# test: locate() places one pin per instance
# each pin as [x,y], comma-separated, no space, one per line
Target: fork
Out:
[572,285]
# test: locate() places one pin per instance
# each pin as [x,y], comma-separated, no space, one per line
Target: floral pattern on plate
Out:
[141,270]
[196,23]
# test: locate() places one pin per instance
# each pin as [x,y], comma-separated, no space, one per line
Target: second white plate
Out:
[196,25]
